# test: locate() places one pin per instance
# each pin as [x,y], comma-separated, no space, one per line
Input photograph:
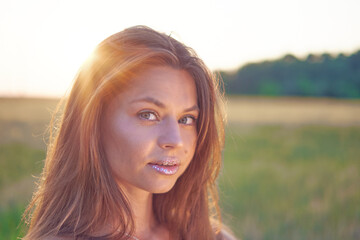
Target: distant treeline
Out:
[322,75]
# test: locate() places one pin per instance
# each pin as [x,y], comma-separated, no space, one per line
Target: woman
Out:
[138,147]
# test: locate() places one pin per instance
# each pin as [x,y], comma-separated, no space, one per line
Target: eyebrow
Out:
[162,105]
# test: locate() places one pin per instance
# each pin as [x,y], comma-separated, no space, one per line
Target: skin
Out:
[151,120]
[137,132]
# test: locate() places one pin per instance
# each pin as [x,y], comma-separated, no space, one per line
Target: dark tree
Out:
[318,75]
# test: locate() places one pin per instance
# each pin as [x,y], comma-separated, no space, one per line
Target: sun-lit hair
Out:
[77,192]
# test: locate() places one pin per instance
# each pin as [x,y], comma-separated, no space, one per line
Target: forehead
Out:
[164,83]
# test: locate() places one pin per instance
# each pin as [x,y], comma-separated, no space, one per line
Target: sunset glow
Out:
[43,43]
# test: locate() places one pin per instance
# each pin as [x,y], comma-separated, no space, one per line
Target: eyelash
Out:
[148,112]
[141,116]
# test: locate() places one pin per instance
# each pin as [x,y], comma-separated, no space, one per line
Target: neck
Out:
[146,225]
[141,205]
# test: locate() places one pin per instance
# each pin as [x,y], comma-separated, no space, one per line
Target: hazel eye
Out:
[148,116]
[187,120]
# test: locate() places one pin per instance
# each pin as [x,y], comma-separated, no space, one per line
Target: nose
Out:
[170,135]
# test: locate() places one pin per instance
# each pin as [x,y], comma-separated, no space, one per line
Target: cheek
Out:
[191,140]
[132,142]
[117,142]
[124,132]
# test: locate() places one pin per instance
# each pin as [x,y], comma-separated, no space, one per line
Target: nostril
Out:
[171,144]
[170,141]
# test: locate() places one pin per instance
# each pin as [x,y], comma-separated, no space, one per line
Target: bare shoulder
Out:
[226,235]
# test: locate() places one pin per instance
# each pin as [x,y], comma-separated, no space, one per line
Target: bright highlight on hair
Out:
[77,193]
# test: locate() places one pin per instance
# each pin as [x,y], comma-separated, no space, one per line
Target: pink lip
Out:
[166,165]
[167,170]
[167,161]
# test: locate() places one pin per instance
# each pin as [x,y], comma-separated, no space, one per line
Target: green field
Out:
[281,179]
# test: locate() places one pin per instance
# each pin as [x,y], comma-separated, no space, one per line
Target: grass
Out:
[18,163]
[10,218]
[292,182]
[280,181]
[18,160]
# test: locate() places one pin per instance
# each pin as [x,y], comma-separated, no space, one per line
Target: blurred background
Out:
[292,78]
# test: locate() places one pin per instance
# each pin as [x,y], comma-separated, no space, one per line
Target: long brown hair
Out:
[77,193]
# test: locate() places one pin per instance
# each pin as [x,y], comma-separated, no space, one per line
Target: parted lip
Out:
[166,161]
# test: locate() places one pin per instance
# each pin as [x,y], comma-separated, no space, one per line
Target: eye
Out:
[148,116]
[187,120]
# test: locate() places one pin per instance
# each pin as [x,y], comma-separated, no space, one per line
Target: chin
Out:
[162,188]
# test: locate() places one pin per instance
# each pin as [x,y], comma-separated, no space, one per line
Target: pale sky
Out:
[44,42]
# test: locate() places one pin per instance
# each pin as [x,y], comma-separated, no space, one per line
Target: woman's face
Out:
[149,130]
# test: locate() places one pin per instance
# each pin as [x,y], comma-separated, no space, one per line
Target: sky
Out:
[44,42]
